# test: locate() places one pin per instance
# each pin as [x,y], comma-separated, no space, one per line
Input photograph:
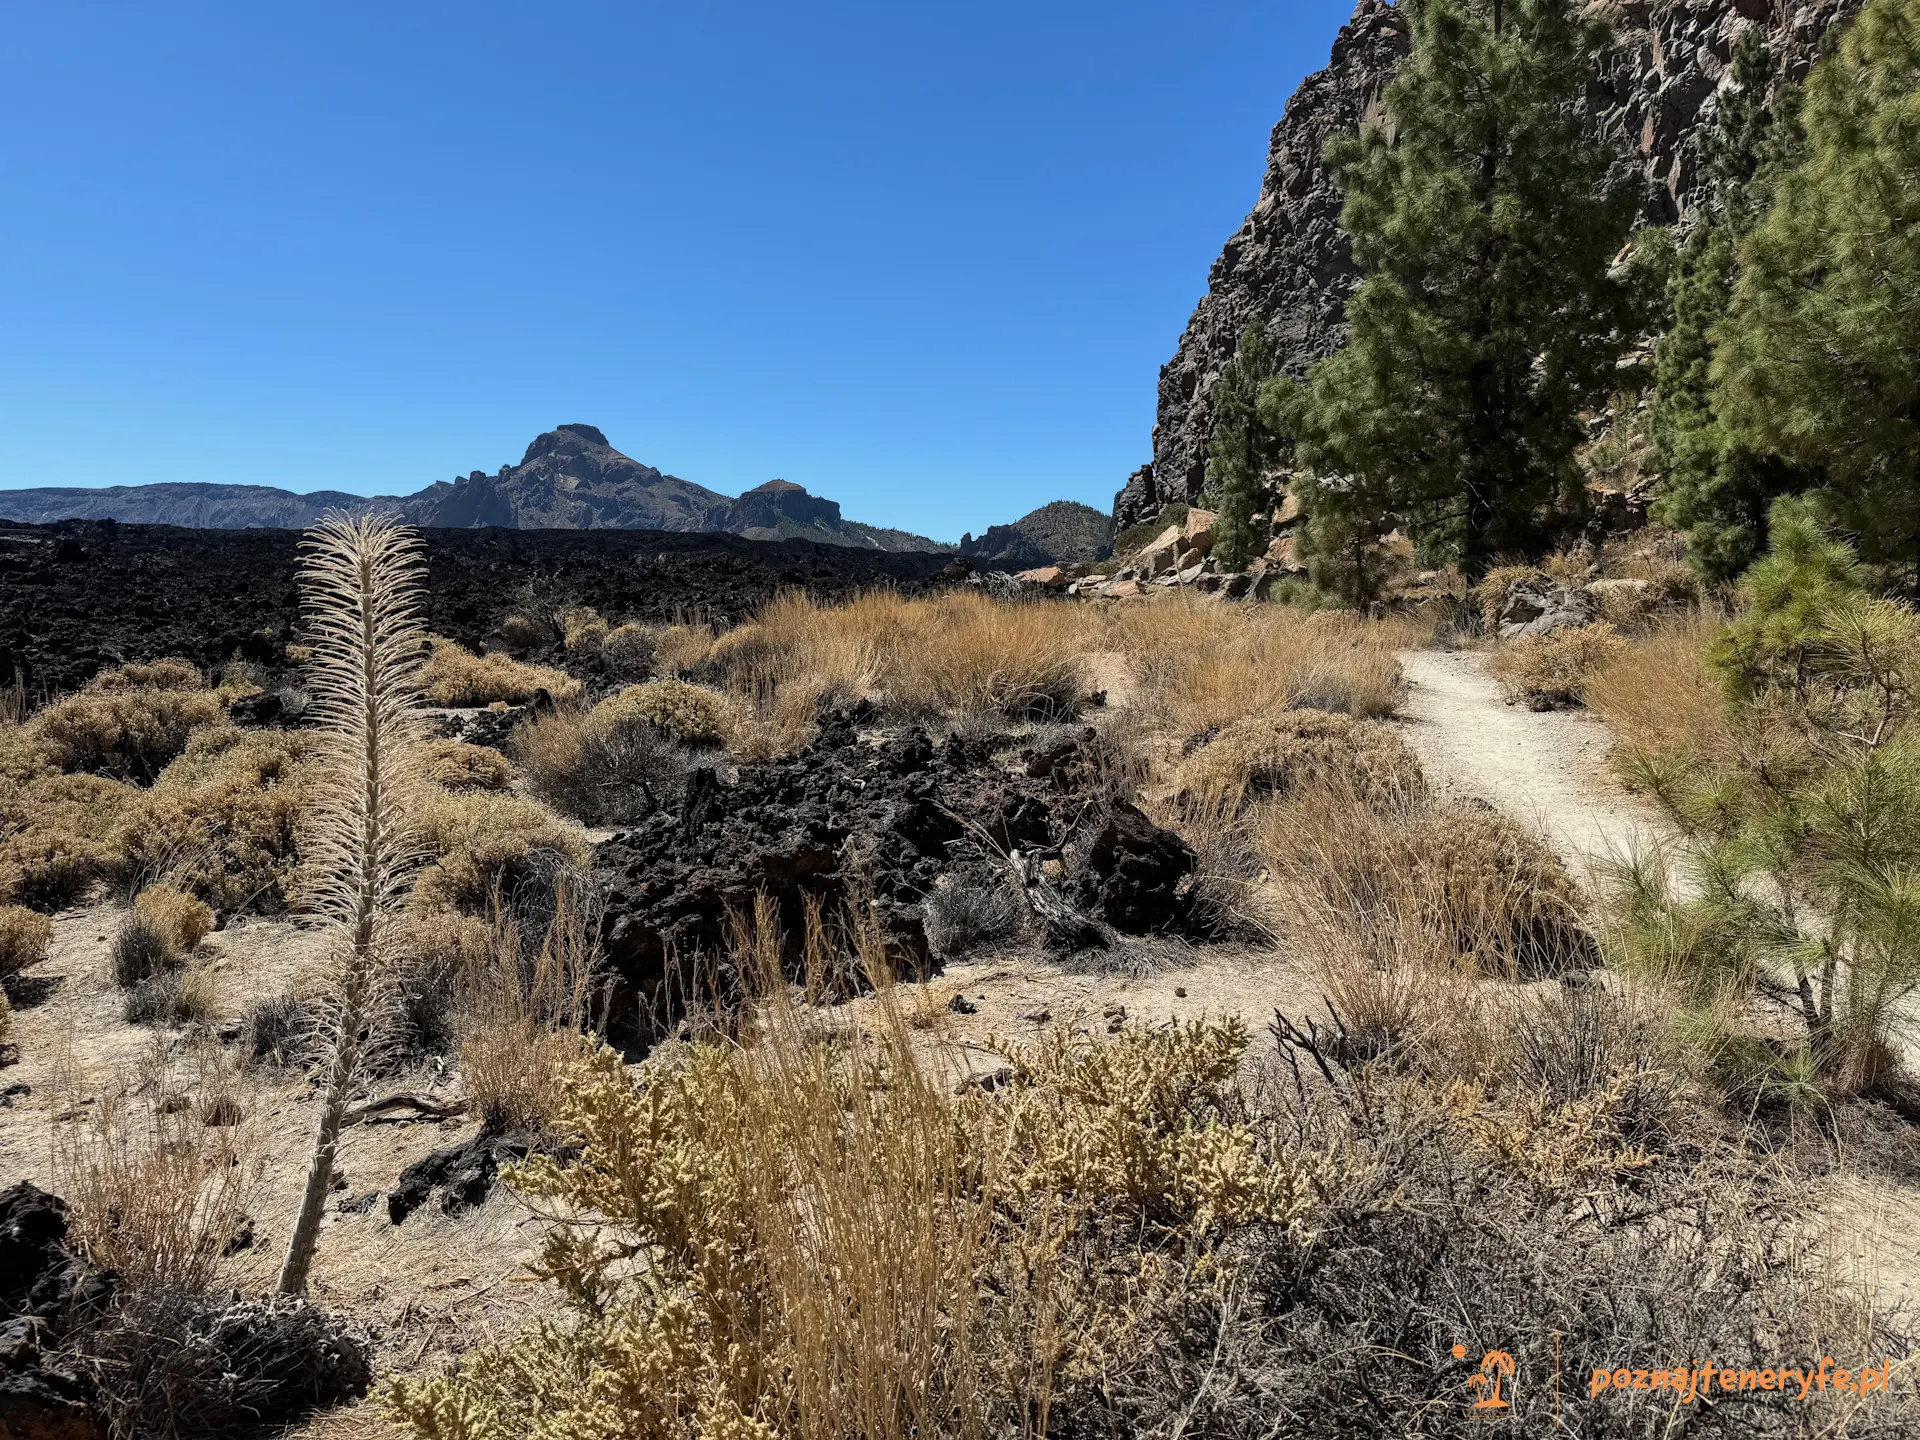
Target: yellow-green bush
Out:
[1281,753]
[56,835]
[691,714]
[836,1248]
[482,840]
[23,938]
[455,676]
[456,765]
[124,730]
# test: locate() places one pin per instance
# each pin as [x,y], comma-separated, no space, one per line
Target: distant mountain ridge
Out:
[1063,532]
[571,478]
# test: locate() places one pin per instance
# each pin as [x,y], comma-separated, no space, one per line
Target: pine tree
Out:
[1485,227]
[1819,355]
[1241,453]
[1716,490]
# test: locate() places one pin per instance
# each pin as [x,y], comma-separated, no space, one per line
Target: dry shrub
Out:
[836,1248]
[223,821]
[605,767]
[173,997]
[455,676]
[1284,753]
[1548,670]
[24,937]
[180,920]
[169,674]
[1660,696]
[628,652]
[456,765]
[130,733]
[690,714]
[155,1193]
[139,951]
[1500,582]
[1408,885]
[683,648]
[483,842]
[278,1030]
[56,836]
[583,631]
[1204,666]
[961,918]
[523,1014]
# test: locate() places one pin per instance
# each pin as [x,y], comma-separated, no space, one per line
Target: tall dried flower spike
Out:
[362,581]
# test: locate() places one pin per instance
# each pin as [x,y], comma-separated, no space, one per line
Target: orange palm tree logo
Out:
[1496,1367]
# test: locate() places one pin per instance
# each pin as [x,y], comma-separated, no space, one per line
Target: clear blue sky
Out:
[925,258]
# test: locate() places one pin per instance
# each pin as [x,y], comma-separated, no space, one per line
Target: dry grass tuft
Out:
[455,676]
[523,1015]
[24,937]
[1284,753]
[1660,696]
[156,1194]
[1203,666]
[179,920]
[1551,670]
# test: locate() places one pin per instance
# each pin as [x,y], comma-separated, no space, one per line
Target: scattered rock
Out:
[1134,872]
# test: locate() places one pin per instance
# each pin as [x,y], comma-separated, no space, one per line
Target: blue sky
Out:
[925,258]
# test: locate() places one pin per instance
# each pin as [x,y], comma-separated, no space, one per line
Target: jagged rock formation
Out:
[1063,532]
[782,510]
[571,478]
[1290,262]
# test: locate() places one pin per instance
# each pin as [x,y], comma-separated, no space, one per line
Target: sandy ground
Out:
[1548,769]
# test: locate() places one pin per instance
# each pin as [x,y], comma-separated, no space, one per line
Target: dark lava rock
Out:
[46,1292]
[1134,873]
[463,1173]
[80,596]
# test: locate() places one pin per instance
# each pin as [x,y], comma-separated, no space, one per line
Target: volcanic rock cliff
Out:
[1290,263]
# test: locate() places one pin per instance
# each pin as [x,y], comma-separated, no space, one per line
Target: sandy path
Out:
[1547,769]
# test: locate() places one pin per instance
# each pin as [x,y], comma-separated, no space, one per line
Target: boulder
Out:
[1532,610]
[1127,589]
[1198,531]
[1051,576]
[1134,872]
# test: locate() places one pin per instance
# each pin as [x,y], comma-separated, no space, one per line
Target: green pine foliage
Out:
[1241,454]
[1489,315]
[1712,487]
[1819,355]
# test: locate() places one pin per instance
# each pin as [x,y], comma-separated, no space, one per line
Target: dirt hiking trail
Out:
[1547,769]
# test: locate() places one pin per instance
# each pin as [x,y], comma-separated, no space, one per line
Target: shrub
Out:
[1549,670]
[278,1030]
[1437,888]
[456,765]
[457,677]
[140,951]
[180,920]
[56,836]
[24,937]
[961,918]
[1281,754]
[223,821]
[173,997]
[690,714]
[483,842]
[607,767]
[583,631]
[129,733]
[628,653]
[170,674]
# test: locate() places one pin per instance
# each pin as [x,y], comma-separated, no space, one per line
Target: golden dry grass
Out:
[1660,696]
[455,676]
[1202,666]
[181,920]
[1555,669]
